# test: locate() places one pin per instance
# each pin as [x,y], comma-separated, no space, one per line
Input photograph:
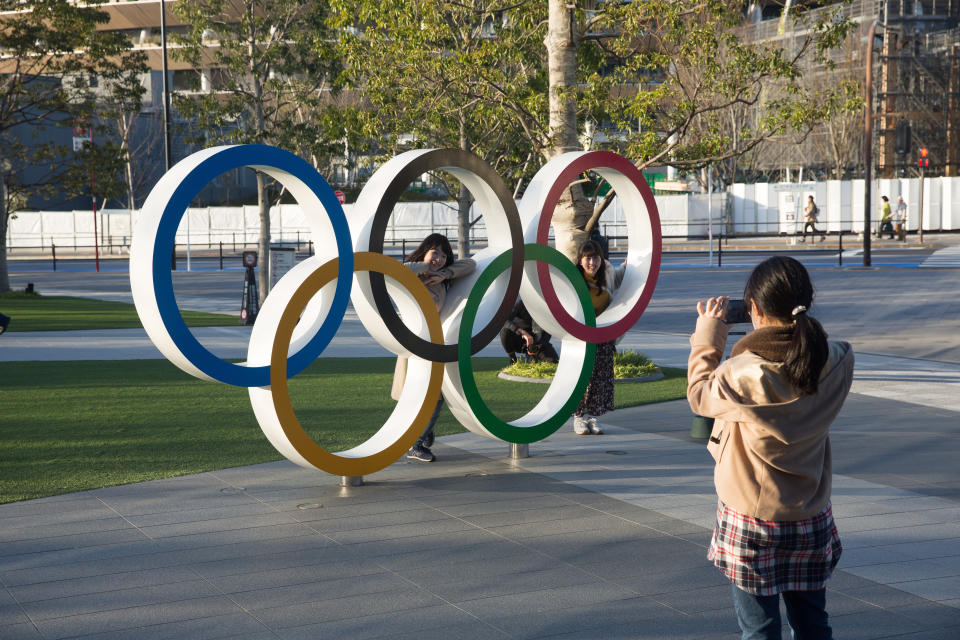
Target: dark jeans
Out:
[426,438]
[759,616]
[812,226]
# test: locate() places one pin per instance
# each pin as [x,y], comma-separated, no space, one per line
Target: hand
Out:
[432,278]
[713,307]
[526,337]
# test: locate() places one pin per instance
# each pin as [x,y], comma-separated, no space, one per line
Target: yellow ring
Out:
[298,438]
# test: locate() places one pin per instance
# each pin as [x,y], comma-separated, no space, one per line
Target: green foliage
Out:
[33,312]
[272,72]
[630,364]
[58,71]
[685,84]
[449,74]
[70,426]
[626,364]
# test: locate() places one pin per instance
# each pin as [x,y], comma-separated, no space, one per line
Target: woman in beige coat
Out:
[774,400]
[434,264]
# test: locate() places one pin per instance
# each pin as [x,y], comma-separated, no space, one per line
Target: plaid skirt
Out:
[764,557]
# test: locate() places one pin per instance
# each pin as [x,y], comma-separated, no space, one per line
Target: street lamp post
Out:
[166,107]
[868,146]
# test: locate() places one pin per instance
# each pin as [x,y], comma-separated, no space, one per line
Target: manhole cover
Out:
[309,505]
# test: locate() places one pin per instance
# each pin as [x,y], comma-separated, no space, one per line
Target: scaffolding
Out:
[919,85]
[916,80]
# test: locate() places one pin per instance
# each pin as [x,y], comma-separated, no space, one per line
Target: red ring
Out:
[586,162]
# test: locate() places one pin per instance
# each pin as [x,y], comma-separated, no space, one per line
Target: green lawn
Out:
[32,312]
[70,426]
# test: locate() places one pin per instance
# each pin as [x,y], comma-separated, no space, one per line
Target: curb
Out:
[505,376]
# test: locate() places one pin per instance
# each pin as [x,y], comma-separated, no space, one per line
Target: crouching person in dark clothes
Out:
[521,335]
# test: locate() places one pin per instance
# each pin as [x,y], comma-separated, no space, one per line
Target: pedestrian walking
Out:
[811,214]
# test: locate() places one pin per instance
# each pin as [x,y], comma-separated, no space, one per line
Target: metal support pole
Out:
[920,219]
[710,211]
[221,255]
[840,249]
[53,250]
[868,146]
[720,249]
[519,451]
[351,481]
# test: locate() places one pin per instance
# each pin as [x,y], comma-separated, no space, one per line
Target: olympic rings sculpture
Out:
[307,305]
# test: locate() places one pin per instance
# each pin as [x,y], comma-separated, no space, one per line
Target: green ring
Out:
[504,430]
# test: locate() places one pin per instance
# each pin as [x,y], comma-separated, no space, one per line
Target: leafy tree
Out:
[676,82]
[452,74]
[264,73]
[55,67]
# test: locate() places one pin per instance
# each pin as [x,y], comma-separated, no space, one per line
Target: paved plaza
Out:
[589,537]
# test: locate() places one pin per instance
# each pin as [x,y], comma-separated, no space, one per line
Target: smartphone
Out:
[736,312]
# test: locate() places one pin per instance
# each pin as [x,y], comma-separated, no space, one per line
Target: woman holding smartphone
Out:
[773,402]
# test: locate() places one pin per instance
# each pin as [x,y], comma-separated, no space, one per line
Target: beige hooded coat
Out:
[771,444]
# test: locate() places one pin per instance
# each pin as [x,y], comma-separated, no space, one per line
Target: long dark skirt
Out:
[598,399]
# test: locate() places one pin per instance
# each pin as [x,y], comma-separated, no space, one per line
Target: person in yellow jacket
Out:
[773,401]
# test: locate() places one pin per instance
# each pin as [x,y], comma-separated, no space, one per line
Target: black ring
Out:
[444,159]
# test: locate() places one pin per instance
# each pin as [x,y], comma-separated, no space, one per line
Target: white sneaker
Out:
[580,426]
[594,427]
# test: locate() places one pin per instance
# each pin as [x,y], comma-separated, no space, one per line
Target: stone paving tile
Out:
[420,622]
[102,583]
[874,625]
[12,613]
[449,556]
[76,527]
[54,509]
[37,546]
[135,617]
[595,618]
[936,589]
[216,525]
[346,608]
[928,613]
[420,515]
[236,626]
[474,563]
[400,532]
[23,631]
[472,588]
[320,590]
[199,515]
[538,602]
[904,571]
[650,583]
[299,574]
[123,598]
[307,551]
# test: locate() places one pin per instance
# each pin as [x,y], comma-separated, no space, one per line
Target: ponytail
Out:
[807,353]
[781,288]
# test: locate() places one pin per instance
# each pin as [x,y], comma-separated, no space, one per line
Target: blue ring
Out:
[232,158]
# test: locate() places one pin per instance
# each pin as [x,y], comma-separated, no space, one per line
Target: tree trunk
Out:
[263,244]
[574,209]
[463,206]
